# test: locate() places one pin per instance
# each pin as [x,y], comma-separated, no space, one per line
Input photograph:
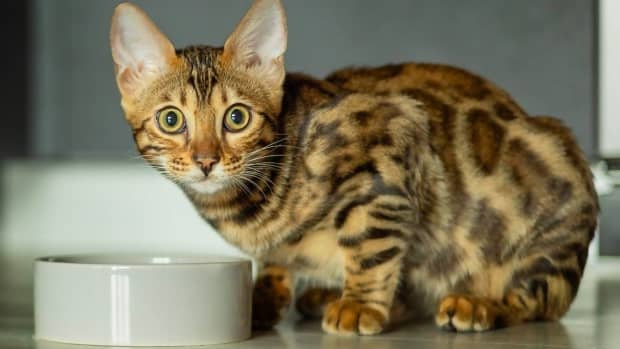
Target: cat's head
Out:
[205,117]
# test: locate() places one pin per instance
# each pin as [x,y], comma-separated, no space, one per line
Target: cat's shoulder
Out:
[363,117]
[347,105]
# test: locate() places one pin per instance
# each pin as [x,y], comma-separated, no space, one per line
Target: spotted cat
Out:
[403,190]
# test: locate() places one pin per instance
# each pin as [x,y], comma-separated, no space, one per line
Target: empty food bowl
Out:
[122,300]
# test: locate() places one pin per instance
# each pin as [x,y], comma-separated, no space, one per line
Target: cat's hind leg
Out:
[542,288]
[538,281]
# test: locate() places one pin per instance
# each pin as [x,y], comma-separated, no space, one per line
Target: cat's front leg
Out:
[272,296]
[373,251]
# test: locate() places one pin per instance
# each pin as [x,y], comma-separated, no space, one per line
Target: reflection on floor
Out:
[593,322]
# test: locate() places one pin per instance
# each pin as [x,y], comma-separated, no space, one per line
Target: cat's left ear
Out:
[258,43]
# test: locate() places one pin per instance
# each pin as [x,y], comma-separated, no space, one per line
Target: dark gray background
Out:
[15,124]
[542,51]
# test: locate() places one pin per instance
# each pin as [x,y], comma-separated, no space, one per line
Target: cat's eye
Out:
[171,120]
[237,118]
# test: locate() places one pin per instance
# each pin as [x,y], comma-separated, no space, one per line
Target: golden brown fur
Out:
[411,189]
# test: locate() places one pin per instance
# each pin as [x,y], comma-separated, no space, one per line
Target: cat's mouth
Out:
[215,181]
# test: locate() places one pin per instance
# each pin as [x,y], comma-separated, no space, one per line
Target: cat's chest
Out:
[316,256]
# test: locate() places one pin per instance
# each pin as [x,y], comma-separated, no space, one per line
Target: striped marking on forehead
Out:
[202,77]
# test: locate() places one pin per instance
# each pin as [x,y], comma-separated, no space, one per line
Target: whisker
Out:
[271,145]
[253,183]
[262,169]
[258,175]
[266,157]
[239,184]
[265,166]
[259,163]
[277,146]
[278,141]
[245,188]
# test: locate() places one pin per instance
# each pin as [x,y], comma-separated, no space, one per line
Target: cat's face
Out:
[205,117]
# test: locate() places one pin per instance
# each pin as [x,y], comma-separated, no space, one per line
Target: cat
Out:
[403,190]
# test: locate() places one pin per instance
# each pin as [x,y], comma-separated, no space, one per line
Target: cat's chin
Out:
[207,186]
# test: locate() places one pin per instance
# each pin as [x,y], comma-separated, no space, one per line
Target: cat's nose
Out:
[206,164]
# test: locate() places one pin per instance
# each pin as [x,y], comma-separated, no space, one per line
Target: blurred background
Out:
[70,181]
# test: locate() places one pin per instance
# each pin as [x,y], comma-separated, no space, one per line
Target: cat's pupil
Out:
[236,116]
[171,119]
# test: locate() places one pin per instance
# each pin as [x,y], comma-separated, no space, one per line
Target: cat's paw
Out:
[466,314]
[271,298]
[349,317]
[313,301]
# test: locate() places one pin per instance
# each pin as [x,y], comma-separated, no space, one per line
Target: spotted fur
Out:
[409,189]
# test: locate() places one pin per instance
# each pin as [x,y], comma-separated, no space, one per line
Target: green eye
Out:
[237,118]
[171,120]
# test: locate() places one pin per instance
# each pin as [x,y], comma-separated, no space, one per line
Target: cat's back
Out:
[493,155]
[471,120]
[440,87]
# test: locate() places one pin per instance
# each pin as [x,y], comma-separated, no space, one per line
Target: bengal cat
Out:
[403,190]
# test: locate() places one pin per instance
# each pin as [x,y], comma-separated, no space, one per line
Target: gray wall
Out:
[539,50]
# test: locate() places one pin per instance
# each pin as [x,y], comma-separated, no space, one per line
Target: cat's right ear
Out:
[141,52]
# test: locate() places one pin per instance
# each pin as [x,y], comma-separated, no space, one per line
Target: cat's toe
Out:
[466,314]
[348,317]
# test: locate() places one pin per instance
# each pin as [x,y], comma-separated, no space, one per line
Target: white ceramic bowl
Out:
[142,301]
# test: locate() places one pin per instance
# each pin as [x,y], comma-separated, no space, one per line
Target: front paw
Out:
[271,298]
[350,317]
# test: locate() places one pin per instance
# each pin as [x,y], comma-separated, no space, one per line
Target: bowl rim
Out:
[139,260]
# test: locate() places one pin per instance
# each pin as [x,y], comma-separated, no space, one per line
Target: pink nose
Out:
[206,164]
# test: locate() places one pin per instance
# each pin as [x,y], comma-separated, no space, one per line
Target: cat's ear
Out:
[141,52]
[259,42]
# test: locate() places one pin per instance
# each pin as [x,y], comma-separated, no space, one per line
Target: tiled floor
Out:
[593,322]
